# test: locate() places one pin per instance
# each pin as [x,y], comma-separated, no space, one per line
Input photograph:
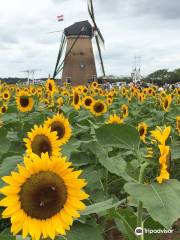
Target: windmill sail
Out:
[97,33]
[61,48]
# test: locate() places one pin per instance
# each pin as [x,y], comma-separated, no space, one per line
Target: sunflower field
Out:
[89,163]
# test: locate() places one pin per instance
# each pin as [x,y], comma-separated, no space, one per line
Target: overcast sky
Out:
[146,28]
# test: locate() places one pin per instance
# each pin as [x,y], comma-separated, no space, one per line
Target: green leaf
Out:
[126,223]
[82,232]
[101,206]
[98,207]
[116,165]
[80,159]
[70,147]
[5,143]
[122,136]
[161,200]
[9,164]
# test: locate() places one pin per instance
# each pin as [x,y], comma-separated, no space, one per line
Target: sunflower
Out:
[141,97]
[6,95]
[32,90]
[114,119]
[178,123]
[142,129]
[41,140]
[50,86]
[24,102]
[65,93]
[149,152]
[124,109]
[61,125]
[161,135]
[94,84]
[163,94]
[163,161]
[3,109]
[76,102]
[166,102]
[98,108]
[109,101]
[60,101]
[43,197]
[123,91]
[85,90]
[87,101]
[39,92]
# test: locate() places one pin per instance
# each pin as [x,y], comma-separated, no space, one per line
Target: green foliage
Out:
[161,200]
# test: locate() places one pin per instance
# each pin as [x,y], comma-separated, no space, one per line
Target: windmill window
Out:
[68,80]
[82,65]
[94,78]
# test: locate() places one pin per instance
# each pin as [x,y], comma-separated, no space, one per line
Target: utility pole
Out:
[31,72]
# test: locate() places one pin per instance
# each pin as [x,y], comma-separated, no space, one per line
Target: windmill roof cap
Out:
[79,28]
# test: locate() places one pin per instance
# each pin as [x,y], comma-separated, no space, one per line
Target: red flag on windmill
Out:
[60,18]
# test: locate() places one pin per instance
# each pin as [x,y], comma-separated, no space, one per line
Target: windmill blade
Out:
[61,48]
[56,31]
[100,36]
[100,56]
[90,7]
[61,65]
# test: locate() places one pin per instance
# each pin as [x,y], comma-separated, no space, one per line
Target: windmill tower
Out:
[78,66]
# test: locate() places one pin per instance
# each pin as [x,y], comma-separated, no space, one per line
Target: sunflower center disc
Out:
[50,87]
[43,195]
[41,144]
[99,107]
[76,99]
[59,128]
[3,109]
[24,101]
[88,102]
[141,131]
[166,104]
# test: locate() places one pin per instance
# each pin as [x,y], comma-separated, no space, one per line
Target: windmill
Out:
[78,65]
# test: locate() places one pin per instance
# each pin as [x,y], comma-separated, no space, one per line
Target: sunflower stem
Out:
[140,204]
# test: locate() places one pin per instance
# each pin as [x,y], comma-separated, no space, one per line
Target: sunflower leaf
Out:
[161,200]
[122,136]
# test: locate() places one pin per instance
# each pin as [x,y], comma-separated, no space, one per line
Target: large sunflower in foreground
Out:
[24,102]
[61,126]
[98,108]
[41,140]
[142,129]
[43,197]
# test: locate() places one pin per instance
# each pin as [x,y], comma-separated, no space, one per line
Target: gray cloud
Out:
[161,8]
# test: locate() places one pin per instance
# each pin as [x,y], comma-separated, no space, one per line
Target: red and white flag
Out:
[60,18]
